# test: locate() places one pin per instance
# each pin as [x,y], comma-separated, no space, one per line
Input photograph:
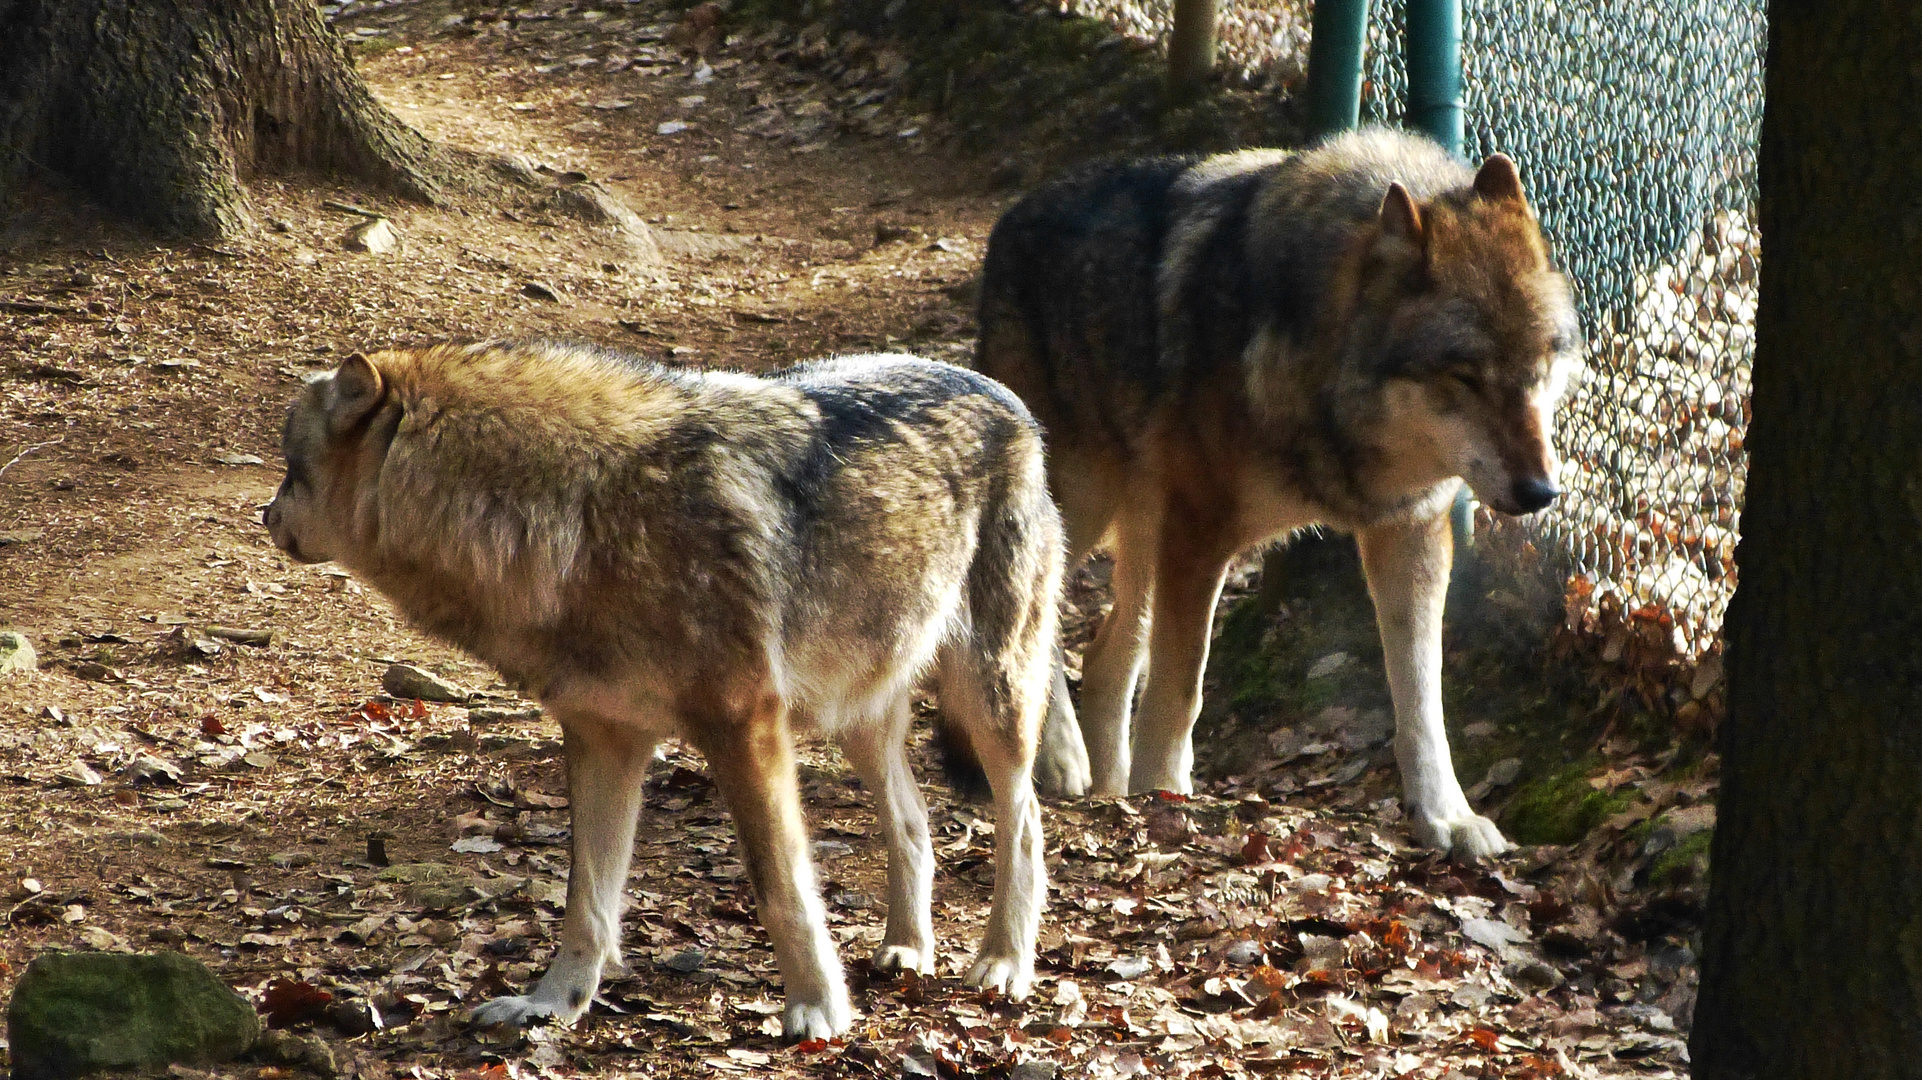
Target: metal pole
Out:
[1339,33]
[1434,54]
[1435,71]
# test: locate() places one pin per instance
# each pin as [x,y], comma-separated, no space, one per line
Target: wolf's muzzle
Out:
[1535,493]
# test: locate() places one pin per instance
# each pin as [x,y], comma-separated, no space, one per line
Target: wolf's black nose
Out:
[1535,492]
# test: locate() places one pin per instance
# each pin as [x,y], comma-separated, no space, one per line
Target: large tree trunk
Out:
[1812,965]
[161,108]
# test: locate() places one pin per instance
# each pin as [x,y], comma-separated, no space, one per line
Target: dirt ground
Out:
[267,809]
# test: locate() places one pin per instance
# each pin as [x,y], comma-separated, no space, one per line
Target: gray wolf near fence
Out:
[1225,350]
[725,558]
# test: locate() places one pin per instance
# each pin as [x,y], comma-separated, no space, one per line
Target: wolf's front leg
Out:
[751,754]
[1407,567]
[606,766]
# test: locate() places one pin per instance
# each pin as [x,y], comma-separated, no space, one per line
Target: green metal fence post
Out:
[1435,71]
[1434,54]
[1339,32]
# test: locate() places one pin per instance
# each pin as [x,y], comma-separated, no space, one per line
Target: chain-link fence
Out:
[1635,124]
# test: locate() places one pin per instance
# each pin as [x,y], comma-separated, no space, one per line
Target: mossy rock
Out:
[1683,864]
[1561,808]
[77,1013]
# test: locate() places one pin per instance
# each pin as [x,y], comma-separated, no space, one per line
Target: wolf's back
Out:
[1076,255]
[1110,289]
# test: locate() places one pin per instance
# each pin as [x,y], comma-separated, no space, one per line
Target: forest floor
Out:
[267,809]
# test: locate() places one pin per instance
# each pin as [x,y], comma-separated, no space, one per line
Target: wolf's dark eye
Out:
[1469,378]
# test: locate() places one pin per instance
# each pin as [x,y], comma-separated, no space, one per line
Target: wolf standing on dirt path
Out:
[1226,350]
[655,552]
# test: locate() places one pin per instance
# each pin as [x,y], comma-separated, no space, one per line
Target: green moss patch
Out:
[1562,807]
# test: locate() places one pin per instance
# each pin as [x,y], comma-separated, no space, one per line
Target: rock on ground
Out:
[76,1013]
[408,681]
[16,653]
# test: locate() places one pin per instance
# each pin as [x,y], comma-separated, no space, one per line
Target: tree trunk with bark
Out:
[1191,43]
[161,109]
[1812,964]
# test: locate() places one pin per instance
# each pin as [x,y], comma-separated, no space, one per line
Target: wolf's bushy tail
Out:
[960,765]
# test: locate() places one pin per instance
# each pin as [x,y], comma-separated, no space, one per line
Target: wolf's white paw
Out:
[904,958]
[516,1012]
[1146,779]
[805,1020]
[1004,973]
[1463,836]
[1064,779]
[1061,760]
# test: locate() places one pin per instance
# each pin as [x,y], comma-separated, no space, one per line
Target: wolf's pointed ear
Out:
[354,391]
[1498,180]
[1400,217]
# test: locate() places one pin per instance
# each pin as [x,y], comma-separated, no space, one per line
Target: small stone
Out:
[1033,1070]
[1328,665]
[1366,729]
[16,654]
[22,536]
[76,1013]
[1503,772]
[238,459]
[687,961]
[1244,953]
[537,290]
[309,1052]
[672,127]
[375,237]
[406,681]
[292,860]
[78,774]
[150,769]
[1535,975]
[1130,967]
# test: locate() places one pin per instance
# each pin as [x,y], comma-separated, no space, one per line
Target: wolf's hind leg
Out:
[1407,567]
[1001,729]
[751,754]
[606,766]
[878,751]
[1191,564]
[1113,662]
[1061,764]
